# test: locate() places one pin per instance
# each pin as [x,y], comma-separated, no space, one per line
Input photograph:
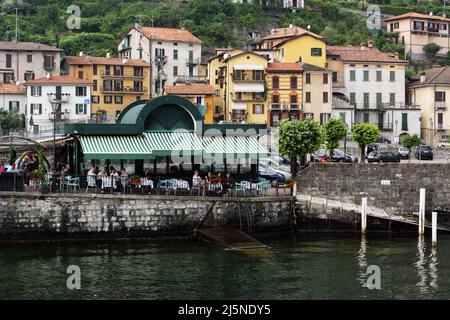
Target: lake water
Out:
[297,267]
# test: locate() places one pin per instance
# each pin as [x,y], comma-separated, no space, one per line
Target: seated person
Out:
[197,181]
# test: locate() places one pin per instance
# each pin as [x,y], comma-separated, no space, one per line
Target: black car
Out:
[339,156]
[383,156]
[424,153]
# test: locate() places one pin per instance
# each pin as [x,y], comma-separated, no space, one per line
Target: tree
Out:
[10,120]
[335,130]
[431,48]
[411,141]
[297,139]
[365,134]
[12,155]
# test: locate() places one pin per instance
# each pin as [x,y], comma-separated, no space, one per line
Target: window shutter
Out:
[254,109]
[262,109]
[85,109]
[40,108]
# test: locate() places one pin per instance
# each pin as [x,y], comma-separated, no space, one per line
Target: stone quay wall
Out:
[85,216]
[394,188]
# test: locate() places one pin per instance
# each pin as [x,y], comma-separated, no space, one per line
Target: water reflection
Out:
[362,262]
[427,271]
[433,269]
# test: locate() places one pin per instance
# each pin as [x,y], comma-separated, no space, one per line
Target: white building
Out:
[289,4]
[22,61]
[369,87]
[173,54]
[13,97]
[72,94]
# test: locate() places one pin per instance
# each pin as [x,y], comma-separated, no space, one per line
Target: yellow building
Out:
[285,92]
[293,44]
[199,94]
[239,78]
[116,82]
[430,91]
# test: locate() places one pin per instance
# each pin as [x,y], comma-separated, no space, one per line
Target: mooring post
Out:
[364,215]
[434,227]
[422,212]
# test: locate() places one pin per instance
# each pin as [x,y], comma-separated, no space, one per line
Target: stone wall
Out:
[394,188]
[74,216]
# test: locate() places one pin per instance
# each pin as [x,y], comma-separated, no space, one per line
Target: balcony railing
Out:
[65,116]
[192,62]
[285,107]
[49,66]
[53,97]
[440,105]
[124,89]
[255,99]
[110,74]
[192,79]
[248,80]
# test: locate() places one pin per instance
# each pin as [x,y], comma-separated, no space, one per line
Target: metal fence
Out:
[91,184]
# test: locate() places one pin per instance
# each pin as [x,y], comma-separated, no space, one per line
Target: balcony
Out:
[53,97]
[440,127]
[191,79]
[275,107]
[124,90]
[64,117]
[132,75]
[248,80]
[440,105]
[387,126]
[49,66]
[193,62]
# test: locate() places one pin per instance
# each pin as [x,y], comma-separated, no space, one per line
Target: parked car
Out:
[275,164]
[383,139]
[444,143]
[424,152]
[320,156]
[383,156]
[339,156]
[268,173]
[403,152]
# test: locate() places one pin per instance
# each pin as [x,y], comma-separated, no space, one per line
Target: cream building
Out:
[317,93]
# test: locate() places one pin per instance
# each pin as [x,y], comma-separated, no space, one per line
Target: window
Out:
[294,82]
[175,54]
[325,78]
[80,108]
[80,91]
[275,82]
[353,98]
[80,74]
[335,76]
[118,99]
[294,100]
[49,61]
[118,70]
[316,52]
[440,121]
[308,97]
[379,75]
[258,75]
[238,75]
[95,99]
[366,117]
[217,93]
[14,105]
[95,86]
[308,78]
[366,75]
[325,97]
[258,109]
[352,75]
[307,115]
[392,99]
[36,91]
[439,96]
[379,99]
[324,117]
[275,99]
[28,76]
[404,121]
[107,71]
[217,109]
[107,99]
[258,96]
[36,108]
[366,100]
[8,77]
[8,60]
[29,58]
[138,71]
[159,52]
[199,101]
[343,116]
[175,70]
[391,75]
[94,69]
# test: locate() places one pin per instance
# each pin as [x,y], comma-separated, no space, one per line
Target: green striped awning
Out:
[239,146]
[115,147]
[174,143]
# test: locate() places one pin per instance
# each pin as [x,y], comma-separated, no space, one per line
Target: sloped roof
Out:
[419,16]
[311,67]
[289,32]
[11,88]
[189,89]
[27,46]
[432,76]
[280,67]
[362,54]
[57,80]
[88,60]
[169,34]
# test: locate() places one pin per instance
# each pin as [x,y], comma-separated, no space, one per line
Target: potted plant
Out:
[37,178]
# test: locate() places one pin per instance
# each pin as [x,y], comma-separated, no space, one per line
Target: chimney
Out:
[422,78]
[300,62]
[290,26]
[363,46]
[49,75]
[81,53]
[137,25]
[108,55]
[370,43]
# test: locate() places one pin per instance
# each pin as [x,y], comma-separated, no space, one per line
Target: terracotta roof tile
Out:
[27,46]
[288,32]
[418,15]
[88,60]
[189,89]
[11,88]
[57,80]
[432,77]
[364,54]
[284,67]
[169,34]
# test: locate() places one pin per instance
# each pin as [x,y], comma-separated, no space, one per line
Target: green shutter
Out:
[40,108]
[404,121]
[366,100]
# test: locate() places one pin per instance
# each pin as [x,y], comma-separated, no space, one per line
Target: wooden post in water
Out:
[434,227]
[422,212]
[364,216]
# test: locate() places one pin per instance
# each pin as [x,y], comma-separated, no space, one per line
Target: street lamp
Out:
[397,139]
[55,110]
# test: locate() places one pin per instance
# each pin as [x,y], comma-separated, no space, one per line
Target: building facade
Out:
[430,90]
[201,95]
[13,97]
[285,92]
[116,83]
[172,54]
[23,61]
[415,30]
[71,94]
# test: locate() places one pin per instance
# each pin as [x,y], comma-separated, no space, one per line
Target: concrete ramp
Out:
[232,239]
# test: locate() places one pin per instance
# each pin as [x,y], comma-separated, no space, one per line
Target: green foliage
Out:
[364,134]
[335,130]
[94,44]
[431,48]
[12,155]
[11,120]
[41,159]
[411,141]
